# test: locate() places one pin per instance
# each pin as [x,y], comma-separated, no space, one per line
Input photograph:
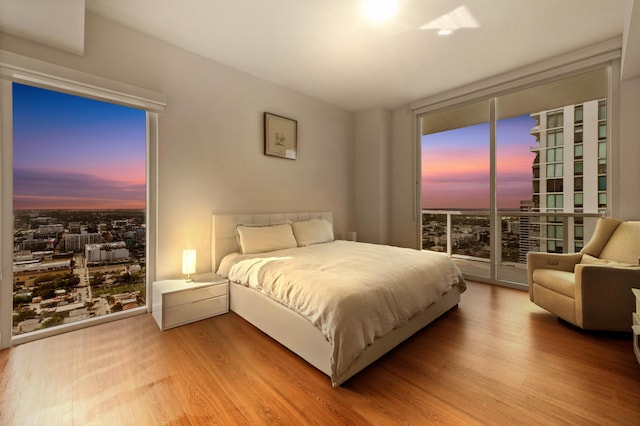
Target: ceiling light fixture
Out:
[446,24]
[445,31]
[380,10]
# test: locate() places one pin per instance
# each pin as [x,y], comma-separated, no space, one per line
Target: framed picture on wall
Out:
[280,136]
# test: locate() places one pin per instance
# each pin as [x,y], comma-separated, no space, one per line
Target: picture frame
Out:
[280,136]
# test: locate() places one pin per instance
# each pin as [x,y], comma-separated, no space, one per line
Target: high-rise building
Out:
[569,172]
[529,227]
[77,242]
[106,252]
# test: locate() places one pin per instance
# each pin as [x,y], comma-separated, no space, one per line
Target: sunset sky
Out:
[76,153]
[455,166]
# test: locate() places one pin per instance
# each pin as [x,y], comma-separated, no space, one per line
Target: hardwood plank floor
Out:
[496,359]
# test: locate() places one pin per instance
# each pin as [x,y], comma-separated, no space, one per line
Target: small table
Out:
[636,324]
[178,302]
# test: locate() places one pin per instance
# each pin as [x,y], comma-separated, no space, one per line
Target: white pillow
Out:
[259,239]
[312,231]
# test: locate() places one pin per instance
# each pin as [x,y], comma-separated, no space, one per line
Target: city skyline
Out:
[76,153]
[455,165]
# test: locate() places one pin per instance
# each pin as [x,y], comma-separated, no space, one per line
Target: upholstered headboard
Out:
[223,228]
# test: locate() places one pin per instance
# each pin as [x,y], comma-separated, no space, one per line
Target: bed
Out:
[269,289]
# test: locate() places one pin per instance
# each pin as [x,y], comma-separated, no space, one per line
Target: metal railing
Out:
[468,237]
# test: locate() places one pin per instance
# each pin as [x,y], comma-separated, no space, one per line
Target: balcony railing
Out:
[500,254]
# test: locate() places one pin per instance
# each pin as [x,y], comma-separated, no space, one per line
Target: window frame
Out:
[37,73]
[578,114]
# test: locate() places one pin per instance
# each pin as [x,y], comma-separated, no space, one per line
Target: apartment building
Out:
[569,174]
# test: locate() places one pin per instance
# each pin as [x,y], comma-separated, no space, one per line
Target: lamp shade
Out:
[189,261]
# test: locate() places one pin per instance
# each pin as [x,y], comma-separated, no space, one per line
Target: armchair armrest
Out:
[603,300]
[561,262]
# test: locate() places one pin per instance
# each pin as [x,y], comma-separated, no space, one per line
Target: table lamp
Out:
[188,262]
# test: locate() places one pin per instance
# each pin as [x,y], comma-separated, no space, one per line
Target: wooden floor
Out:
[496,359]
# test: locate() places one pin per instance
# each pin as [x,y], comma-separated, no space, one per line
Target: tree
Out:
[24,315]
[19,299]
[55,319]
[44,278]
[45,291]
[73,281]
[98,279]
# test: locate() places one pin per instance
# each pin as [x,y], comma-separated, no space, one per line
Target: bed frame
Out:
[288,327]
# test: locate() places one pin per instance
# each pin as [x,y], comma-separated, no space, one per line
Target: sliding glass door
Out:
[456,190]
[537,184]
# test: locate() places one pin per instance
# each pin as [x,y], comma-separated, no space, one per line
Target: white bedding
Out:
[353,292]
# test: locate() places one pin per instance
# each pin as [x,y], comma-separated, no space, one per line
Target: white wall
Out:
[404,230]
[210,151]
[372,151]
[630,149]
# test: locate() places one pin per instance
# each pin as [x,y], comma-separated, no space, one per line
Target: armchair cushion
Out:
[605,227]
[624,244]
[562,282]
[590,260]
[587,259]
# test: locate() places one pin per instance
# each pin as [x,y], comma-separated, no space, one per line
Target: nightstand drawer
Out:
[177,302]
[192,295]
[189,312]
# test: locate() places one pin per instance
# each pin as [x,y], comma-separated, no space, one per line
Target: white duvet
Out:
[353,292]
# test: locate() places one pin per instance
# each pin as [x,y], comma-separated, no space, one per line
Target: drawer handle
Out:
[208,298]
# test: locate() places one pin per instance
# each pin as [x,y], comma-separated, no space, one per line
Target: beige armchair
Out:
[591,289]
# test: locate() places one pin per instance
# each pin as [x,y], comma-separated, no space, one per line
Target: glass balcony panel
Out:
[519,234]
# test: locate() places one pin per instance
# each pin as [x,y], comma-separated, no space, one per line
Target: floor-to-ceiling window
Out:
[78,188]
[545,175]
[79,208]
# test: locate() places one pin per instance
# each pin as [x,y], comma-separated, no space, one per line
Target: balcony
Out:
[535,130]
[500,256]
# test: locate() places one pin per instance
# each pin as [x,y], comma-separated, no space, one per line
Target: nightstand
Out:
[636,324]
[178,302]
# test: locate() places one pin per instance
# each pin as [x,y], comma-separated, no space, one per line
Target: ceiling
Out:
[328,50]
